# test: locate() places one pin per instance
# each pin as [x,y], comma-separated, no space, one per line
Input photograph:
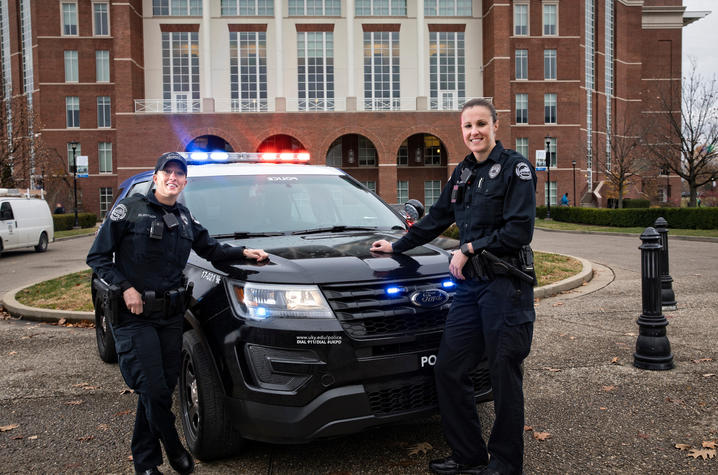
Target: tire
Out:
[42,243]
[105,339]
[207,426]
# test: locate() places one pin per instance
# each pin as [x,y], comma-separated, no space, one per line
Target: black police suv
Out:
[326,338]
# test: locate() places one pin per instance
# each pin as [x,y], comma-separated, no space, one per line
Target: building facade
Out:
[371,86]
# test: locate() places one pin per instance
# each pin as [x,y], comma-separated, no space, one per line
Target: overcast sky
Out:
[700,38]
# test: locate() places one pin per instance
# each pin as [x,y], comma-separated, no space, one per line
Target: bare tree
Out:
[685,141]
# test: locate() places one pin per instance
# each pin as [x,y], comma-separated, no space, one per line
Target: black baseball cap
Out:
[171,157]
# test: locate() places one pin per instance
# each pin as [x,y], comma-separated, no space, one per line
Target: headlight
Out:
[262,301]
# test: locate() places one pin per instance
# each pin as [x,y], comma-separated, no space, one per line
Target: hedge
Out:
[681,218]
[63,222]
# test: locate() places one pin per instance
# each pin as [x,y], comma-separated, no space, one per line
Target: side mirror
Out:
[414,209]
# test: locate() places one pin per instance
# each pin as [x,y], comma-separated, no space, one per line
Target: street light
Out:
[573,164]
[548,178]
[74,145]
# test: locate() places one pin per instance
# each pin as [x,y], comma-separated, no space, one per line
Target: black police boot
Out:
[149,471]
[181,460]
[449,466]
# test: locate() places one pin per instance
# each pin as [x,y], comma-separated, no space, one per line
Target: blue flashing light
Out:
[393,291]
[219,156]
[448,284]
[261,312]
[198,156]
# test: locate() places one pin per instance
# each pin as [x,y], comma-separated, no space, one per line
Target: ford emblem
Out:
[429,298]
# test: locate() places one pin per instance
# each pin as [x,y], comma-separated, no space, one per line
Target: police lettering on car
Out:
[491,197]
[150,238]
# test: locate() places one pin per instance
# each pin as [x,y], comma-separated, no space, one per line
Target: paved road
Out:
[604,416]
[25,266]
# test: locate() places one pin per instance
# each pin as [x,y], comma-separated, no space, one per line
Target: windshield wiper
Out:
[335,229]
[243,235]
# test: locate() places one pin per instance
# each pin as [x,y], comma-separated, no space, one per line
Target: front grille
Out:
[366,311]
[415,394]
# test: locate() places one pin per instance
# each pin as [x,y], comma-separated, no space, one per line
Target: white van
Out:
[25,222]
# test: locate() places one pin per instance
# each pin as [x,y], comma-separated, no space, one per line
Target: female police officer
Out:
[491,198]
[151,237]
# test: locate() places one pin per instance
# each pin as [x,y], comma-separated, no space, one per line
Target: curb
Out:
[16,309]
[610,233]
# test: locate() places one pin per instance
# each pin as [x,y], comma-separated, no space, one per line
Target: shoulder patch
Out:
[523,171]
[119,213]
[494,170]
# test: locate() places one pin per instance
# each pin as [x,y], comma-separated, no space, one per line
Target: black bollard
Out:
[653,350]
[668,298]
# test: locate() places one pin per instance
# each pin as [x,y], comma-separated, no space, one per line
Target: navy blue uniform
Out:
[494,210]
[149,345]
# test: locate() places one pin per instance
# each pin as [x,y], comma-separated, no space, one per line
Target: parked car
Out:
[25,222]
[326,338]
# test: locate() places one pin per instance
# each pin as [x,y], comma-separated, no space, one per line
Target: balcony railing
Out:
[228,105]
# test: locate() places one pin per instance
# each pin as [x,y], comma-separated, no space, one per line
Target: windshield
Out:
[284,204]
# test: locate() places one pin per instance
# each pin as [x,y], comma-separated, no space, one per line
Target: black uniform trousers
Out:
[492,318]
[149,353]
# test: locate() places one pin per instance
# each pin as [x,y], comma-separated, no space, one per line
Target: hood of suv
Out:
[335,257]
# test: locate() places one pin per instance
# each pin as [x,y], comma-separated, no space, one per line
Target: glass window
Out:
[432,190]
[380,8]
[551,152]
[177,7]
[402,156]
[551,193]
[550,19]
[247,8]
[522,64]
[248,70]
[69,19]
[549,64]
[522,108]
[180,71]
[71,68]
[367,153]
[370,184]
[402,191]
[104,154]
[381,70]
[102,66]
[101,19]
[447,7]
[105,201]
[521,19]
[432,150]
[104,112]
[334,157]
[72,111]
[315,8]
[549,108]
[315,72]
[446,70]
[71,156]
[522,146]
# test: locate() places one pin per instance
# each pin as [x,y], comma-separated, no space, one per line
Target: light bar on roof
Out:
[202,158]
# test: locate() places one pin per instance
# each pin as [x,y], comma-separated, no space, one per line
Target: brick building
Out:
[371,86]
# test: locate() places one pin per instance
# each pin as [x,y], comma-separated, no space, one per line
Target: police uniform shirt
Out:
[494,211]
[148,263]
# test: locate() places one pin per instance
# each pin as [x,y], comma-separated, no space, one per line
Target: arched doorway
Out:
[281,143]
[421,169]
[356,155]
[208,143]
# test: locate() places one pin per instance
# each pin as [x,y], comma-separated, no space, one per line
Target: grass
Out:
[75,232]
[69,292]
[562,226]
[72,291]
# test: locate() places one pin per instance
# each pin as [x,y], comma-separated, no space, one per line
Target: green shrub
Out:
[636,203]
[63,222]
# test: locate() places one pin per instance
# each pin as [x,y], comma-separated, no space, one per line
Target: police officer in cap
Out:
[151,237]
[491,197]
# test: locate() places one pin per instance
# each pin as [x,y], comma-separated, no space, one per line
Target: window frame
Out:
[105,67]
[72,114]
[64,26]
[72,66]
[525,116]
[433,187]
[520,147]
[544,24]
[107,19]
[550,64]
[104,154]
[402,189]
[550,108]
[106,202]
[371,7]
[522,60]
[517,6]
[104,112]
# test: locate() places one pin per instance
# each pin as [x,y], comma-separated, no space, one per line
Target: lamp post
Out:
[548,178]
[573,165]
[73,145]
